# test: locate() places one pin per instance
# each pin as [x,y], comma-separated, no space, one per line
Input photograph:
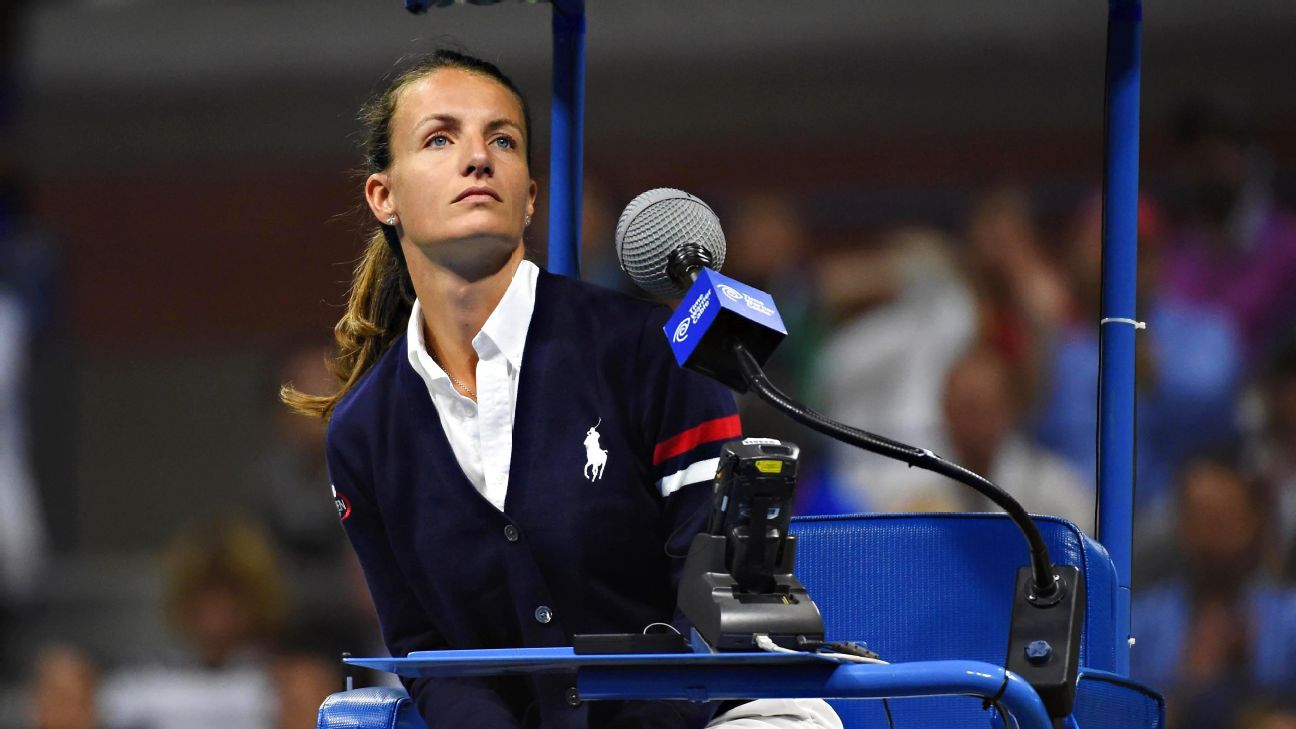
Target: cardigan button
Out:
[573,697]
[511,533]
[543,615]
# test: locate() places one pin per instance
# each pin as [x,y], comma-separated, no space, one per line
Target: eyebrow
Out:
[453,122]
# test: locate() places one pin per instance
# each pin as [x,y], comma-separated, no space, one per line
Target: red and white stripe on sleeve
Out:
[692,455]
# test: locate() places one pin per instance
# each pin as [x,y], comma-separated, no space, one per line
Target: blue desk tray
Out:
[494,662]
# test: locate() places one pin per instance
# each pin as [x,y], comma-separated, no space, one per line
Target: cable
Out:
[1044,582]
[765,643]
[849,653]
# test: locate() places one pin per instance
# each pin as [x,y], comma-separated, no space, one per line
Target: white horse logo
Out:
[595,456]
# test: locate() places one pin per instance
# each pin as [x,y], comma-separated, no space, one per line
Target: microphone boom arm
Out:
[1044,585]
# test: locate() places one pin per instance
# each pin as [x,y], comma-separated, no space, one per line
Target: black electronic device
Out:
[751,507]
[1044,637]
[738,577]
[623,643]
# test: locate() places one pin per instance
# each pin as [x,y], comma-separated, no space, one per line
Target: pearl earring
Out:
[526,221]
[391,219]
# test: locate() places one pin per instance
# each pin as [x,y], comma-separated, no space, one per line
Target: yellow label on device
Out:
[769,466]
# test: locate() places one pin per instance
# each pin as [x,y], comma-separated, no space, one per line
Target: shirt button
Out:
[543,615]
[573,697]
[511,533]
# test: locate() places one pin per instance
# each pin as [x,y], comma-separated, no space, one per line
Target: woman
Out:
[515,456]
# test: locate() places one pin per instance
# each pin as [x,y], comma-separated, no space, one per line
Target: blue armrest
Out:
[369,708]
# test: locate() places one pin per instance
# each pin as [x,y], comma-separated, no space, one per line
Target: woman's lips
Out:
[478,194]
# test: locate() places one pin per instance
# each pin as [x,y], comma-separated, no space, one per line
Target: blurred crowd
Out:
[982,344]
[257,611]
[979,341]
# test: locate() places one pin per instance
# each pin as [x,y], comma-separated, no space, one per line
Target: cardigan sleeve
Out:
[458,703]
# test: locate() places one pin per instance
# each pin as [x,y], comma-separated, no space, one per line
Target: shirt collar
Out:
[506,327]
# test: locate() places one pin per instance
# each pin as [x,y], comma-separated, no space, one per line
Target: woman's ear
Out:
[531,198]
[378,196]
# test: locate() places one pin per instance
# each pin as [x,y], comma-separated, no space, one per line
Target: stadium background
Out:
[183,217]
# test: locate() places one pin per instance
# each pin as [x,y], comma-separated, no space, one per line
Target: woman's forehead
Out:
[466,96]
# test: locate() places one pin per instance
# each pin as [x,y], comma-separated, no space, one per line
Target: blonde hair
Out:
[381,295]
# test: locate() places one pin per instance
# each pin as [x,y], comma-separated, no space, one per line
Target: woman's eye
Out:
[438,140]
[504,143]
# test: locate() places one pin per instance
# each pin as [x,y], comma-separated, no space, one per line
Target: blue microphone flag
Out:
[716,312]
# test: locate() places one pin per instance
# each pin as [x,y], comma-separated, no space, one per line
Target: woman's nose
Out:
[479,162]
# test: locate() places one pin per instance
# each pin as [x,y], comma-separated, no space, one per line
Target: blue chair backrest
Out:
[939,586]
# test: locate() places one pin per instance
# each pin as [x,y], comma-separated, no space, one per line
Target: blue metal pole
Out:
[1119,322]
[565,151]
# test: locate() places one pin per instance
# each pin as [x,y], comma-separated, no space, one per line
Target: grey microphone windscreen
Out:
[656,223]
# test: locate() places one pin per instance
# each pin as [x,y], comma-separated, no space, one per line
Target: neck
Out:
[458,292]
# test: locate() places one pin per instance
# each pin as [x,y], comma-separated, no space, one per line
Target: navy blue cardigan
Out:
[573,551]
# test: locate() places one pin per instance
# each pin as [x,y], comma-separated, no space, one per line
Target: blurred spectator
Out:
[64,683]
[910,316]
[599,263]
[342,620]
[225,599]
[1234,247]
[1187,368]
[333,613]
[22,521]
[302,681]
[1223,630]
[768,248]
[224,592]
[1021,296]
[22,533]
[1270,713]
[982,407]
[295,481]
[1276,444]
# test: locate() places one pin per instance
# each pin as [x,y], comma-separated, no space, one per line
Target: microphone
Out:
[670,243]
[664,237]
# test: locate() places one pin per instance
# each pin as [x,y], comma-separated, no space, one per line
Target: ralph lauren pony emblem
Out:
[595,456]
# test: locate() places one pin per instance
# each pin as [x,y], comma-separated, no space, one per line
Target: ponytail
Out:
[378,309]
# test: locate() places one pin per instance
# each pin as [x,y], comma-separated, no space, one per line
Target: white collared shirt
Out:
[481,433]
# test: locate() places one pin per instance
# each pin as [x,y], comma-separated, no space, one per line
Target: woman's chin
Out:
[475,237]
[476,255]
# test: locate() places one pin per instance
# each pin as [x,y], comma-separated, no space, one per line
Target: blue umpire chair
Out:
[914,587]
[920,587]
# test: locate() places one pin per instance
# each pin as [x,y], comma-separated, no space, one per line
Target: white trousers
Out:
[779,714]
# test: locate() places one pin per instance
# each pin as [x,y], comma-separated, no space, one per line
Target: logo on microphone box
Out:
[752,302]
[696,311]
